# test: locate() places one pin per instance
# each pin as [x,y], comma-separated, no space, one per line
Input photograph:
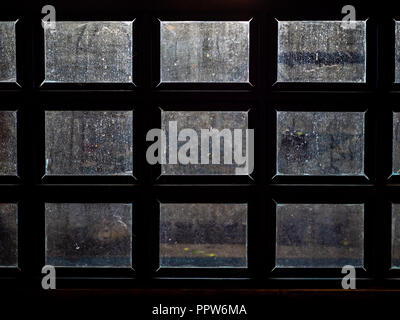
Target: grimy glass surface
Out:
[198,120]
[89,143]
[397,52]
[89,234]
[320,143]
[8,235]
[321,51]
[88,52]
[204,51]
[203,235]
[319,235]
[8,143]
[396,235]
[8,65]
[396,144]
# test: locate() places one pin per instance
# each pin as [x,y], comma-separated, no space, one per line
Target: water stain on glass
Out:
[320,143]
[89,52]
[8,64]
[88,142]
[207,120]
[203,235]
[8,235]
[205,51]
[319,235]
[321,51]
[89,234]
[8,143]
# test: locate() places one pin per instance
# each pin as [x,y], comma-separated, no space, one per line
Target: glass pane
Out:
[8,235]
[396,144]
[89,234]
[89,142]
[195,51]
[320,143]
[203,235]
[397,52]
[8,66]
[396,235]
[319,235]
[321,51]
[78,52]
[206,120]
[8,143]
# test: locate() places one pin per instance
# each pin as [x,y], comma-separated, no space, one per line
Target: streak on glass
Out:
[89,234]
[89,52]
[8,65]
[203,235]
[8,143]
[320,143]
[89,142]
[8,235]
[319,235]
[198,120]
[204,51]
[321,51]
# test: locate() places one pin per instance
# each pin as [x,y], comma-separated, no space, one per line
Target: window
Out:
[88,143]
[8,235]
[321,51]
[89,234]
[8,66]
[320,143]
[87,52]
[203,235]
[8,143]
[319,235]
[204,51]
[220,126]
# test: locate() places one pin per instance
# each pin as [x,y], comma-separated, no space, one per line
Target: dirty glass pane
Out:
[97,51]
[203,235]
[8,65]
[8,235]
[321,51]
[204,51]
[319,235]
[88,142]
[397,52]
[8,143]
[224,162]
[396,144]
[89,234]
[320,143]
[396,235]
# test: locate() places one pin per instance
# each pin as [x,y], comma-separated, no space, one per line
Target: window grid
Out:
[261,193]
